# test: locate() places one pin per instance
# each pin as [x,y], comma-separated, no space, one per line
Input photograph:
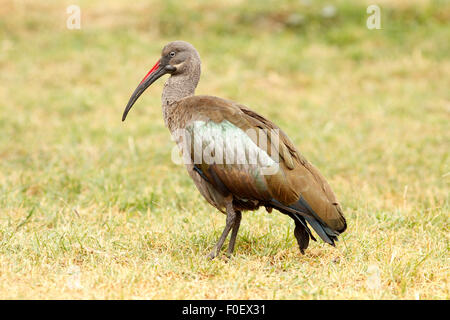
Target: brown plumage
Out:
[212,133]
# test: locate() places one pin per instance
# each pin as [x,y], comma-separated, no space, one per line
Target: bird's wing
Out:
[280,173]
[303,177]
[225,156]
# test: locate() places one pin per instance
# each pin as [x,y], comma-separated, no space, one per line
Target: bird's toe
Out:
[211,255]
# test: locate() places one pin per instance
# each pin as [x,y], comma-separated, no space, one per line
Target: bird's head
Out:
[177,57]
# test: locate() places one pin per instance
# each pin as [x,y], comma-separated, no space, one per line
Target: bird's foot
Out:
[212,254]
[229,254]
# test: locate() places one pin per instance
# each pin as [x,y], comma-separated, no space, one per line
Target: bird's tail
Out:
[301,212]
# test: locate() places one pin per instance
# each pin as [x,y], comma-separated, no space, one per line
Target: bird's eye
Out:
[172,54]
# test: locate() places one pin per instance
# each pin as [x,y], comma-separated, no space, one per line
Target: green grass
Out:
[91,207]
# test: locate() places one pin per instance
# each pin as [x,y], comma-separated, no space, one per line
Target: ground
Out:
[91,207]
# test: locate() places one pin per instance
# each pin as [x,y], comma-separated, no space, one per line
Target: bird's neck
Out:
[176,88]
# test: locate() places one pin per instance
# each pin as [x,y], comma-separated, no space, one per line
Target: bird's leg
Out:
[230,221]
[234,232]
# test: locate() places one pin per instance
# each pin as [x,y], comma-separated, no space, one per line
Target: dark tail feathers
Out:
[301,211]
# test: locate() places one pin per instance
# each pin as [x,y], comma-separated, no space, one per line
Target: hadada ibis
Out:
[268,171]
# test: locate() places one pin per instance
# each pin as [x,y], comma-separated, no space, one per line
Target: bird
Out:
[238,159]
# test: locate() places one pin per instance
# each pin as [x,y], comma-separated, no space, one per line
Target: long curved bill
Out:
[154,74]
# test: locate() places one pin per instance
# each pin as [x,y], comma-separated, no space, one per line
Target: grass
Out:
[93,208]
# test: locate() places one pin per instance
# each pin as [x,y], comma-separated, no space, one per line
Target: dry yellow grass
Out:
[94,208]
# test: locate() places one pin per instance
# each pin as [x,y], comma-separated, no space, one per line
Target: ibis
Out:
[238,159]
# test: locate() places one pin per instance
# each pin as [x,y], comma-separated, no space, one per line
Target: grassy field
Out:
[93,208]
